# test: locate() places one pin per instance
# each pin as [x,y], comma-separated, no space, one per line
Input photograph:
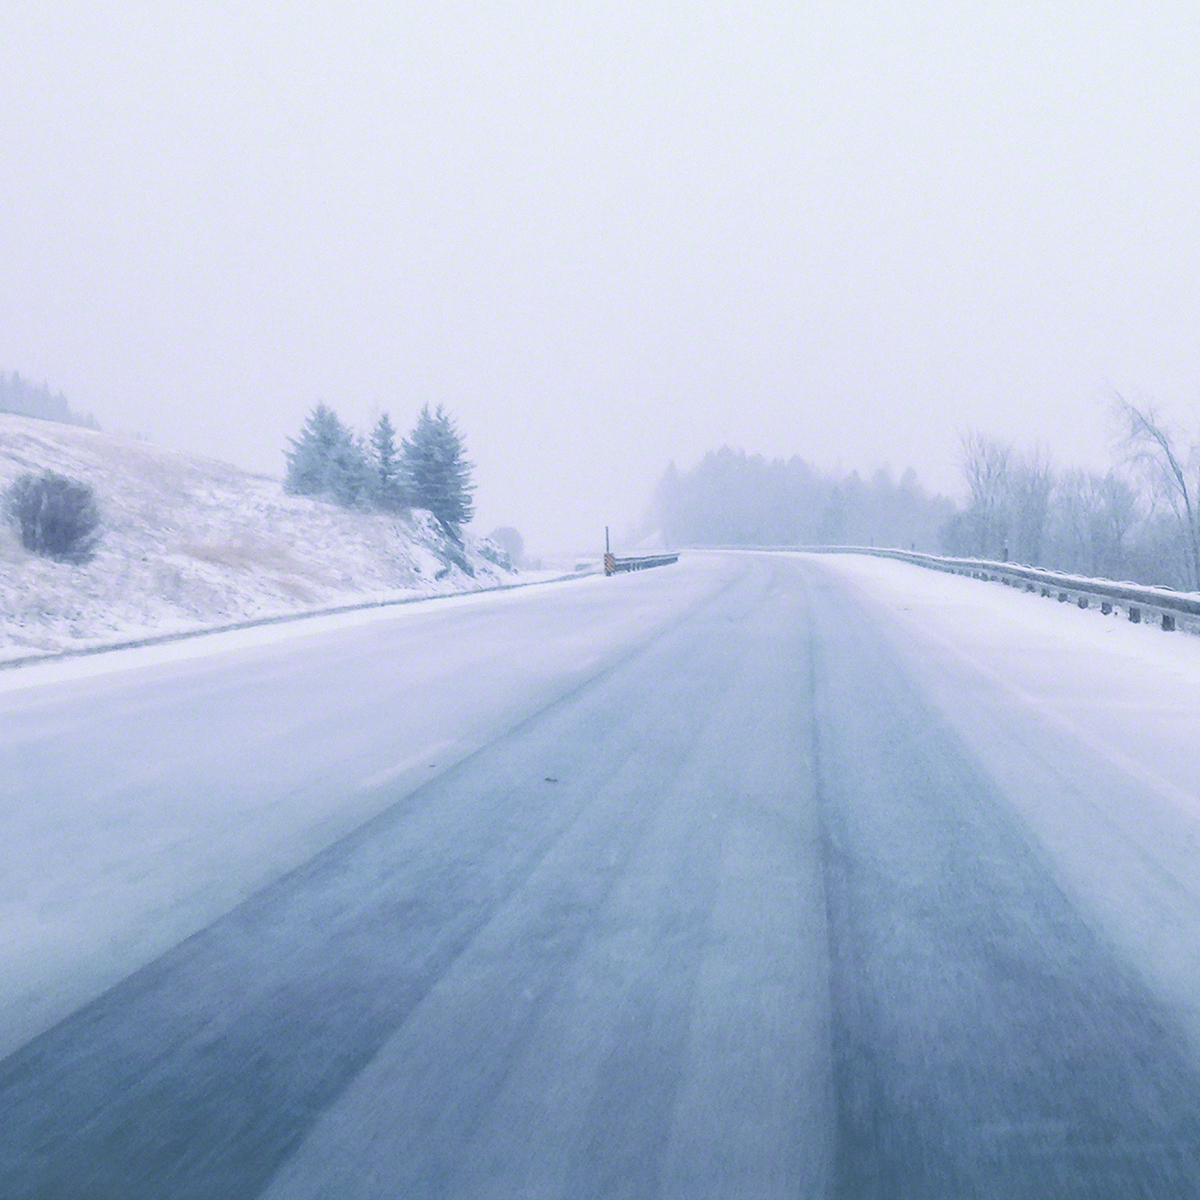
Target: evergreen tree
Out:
[389,486]
[436,473]
[328,460]
[352,482]
[20,396]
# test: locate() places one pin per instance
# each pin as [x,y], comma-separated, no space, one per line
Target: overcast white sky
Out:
[605,235]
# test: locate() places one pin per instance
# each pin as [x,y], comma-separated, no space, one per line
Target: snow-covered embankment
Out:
[190,543]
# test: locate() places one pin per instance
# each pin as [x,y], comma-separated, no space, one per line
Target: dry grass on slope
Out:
[190,542]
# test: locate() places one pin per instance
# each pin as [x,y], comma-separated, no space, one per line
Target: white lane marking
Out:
[422,756]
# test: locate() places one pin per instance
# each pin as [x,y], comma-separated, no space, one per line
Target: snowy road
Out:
[757,876]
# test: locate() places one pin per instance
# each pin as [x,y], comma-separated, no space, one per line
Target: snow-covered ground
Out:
[190,543]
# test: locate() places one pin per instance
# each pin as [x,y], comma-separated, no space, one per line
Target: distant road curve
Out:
[733,910]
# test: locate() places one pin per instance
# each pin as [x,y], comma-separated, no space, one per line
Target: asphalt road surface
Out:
[735,915]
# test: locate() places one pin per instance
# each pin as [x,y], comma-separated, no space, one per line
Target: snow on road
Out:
[1091,727]
[754,912]
[1131,692]
[145,792]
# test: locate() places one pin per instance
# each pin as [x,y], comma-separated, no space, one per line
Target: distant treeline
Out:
[25,399]
[1139,520]
[732,498]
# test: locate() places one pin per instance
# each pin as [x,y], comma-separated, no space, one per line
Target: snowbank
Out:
[190,543]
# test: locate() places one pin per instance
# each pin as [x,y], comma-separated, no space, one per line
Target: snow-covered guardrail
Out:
[614,565]
[1162,606]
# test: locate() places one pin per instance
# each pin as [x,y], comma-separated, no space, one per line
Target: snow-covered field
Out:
[190,543]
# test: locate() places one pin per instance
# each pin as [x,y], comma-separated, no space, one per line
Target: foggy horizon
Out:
[607,239]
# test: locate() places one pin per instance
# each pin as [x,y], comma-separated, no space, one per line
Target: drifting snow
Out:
[190,543]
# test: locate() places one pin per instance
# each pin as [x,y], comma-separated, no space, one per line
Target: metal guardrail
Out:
[1167,608]
[615,566]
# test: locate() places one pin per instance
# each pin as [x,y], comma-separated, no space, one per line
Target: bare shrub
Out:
[56,516]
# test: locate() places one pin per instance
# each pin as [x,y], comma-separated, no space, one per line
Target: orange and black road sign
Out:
[610,564]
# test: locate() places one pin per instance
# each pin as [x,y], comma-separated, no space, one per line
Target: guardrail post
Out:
[1168,622]
[1135,614]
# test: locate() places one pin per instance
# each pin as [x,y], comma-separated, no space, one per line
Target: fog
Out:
[606,238]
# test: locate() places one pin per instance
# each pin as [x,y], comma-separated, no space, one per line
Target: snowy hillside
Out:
[190,543]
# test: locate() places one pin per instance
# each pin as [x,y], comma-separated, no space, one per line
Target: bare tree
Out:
[1072,546]
[985,464]
[1119,509]
[1093,516]
[1029,482]
[1150,442]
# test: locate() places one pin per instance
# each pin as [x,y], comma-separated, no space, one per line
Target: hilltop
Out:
[26,399]
[191,543]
